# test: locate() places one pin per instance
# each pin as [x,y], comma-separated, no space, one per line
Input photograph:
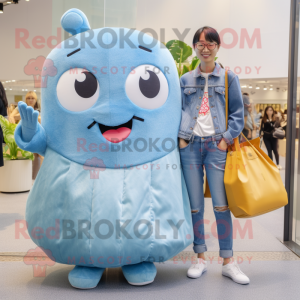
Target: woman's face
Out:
[205,55]
[270,111]
[285,117]
[30,101]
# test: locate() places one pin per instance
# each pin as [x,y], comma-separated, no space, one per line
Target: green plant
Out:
[181,52]
[10,143]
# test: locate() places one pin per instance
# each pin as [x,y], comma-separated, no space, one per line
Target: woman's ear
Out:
[74,21]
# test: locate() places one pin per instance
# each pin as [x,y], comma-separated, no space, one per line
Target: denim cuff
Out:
[183,136]
[226,253]
[200,248]
[228,137]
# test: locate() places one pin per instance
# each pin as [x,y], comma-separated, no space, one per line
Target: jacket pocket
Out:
[189,91]
[190,94]
[220,94]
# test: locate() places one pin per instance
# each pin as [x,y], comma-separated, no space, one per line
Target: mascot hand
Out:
[29,119]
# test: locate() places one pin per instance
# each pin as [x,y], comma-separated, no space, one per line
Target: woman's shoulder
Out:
[187,78]
[231,75]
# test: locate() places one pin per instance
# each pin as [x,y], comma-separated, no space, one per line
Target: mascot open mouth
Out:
[116,134]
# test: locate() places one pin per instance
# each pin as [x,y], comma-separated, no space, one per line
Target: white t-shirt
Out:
[204,125]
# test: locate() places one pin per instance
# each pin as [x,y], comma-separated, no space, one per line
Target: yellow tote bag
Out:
[252,181]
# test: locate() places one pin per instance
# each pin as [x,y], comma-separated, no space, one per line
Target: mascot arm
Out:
[29,134]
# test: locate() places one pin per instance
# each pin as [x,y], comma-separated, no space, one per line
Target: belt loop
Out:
[193,137]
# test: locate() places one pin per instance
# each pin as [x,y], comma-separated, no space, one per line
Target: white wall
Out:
[271,17]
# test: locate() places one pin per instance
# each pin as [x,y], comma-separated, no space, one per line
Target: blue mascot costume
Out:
[110,192]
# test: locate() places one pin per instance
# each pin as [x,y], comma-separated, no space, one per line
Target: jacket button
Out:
[214,117]
[216,127]
[195,117]
[210,96]
[191,128]
[189,92]
[212,106]
[197,107]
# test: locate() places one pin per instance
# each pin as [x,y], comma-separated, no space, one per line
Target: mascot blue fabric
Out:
[110,192]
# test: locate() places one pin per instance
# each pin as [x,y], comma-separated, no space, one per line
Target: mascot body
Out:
[110,191]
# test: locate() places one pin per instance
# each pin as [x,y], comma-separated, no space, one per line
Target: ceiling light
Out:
[250,86]
[8,2]
[265,88]
[271,89]
[13,80]
[5,88]
[1,8]
[22,89]
[271,84]
[244,86]
[34,90]
[10,89]
[257,87]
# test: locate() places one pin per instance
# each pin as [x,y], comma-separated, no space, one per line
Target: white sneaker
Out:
[233,271]
[197,269]
[279,167]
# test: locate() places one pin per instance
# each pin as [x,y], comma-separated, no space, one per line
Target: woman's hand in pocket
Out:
[222,145]
[182,143]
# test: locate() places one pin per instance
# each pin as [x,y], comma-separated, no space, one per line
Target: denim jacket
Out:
[192,89]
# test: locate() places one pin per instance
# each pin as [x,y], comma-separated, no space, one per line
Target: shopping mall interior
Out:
[260,45]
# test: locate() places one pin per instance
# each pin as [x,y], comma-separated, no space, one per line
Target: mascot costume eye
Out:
[110,192]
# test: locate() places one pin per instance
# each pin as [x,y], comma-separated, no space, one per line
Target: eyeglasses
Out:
[201,46]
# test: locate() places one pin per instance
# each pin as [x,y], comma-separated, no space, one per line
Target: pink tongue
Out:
[117,135]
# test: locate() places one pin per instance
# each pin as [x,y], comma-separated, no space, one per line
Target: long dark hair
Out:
[264,119]
[3,95]
[210,35]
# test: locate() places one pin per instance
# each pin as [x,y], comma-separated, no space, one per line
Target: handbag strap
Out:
[236,140]
[226,97]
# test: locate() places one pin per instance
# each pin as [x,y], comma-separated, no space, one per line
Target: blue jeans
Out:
[204,151]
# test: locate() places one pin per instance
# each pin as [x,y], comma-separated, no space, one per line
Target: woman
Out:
[268,123]
[251,123]
[246,131]
[31,100]
[3,112]
[203,141]
[284,122]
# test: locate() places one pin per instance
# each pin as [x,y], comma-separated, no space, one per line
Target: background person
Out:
[284,121]
[268,123]
[30,100]
[3,112]
[247,132]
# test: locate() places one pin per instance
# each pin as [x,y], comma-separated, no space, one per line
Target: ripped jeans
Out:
[204,151]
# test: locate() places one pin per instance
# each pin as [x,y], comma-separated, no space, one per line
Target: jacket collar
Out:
[216,72]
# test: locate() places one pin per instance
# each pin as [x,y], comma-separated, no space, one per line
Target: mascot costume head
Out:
[110,192]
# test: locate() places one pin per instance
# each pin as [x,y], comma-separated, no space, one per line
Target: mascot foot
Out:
[85,277]
[140,274]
